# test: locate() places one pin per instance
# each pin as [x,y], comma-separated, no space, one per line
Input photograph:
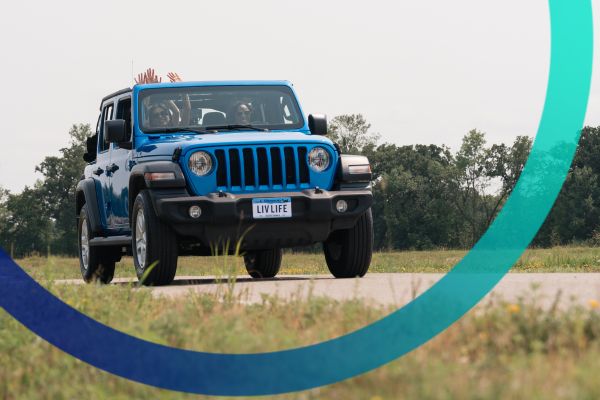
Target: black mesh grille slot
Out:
[276,167]
[303,164]
[221,168]
[263,166]
[290,166]
[245,169]
[235,167]
[249,167]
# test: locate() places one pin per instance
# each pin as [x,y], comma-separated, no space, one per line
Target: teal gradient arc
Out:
[384,340]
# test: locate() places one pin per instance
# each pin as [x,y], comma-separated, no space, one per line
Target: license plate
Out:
[278,207]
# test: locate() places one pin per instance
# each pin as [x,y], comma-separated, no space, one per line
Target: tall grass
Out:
[557,259]
[501,351]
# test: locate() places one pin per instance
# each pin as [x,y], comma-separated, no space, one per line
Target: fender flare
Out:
[87,187]
[162,167]
[138,180]
[346,174]
[347,179]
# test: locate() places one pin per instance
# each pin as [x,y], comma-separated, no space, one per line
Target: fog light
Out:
[195,211]
[341,206]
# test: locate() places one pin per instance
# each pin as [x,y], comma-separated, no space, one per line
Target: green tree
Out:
[4,223]
[575,215]
[61,175]
[485,176]
[27,230]
[473,180]
[352,133]
[506,163]
[413,189]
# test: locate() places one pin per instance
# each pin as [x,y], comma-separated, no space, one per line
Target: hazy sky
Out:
[420,72]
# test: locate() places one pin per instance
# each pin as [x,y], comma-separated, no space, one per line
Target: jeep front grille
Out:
[262,168]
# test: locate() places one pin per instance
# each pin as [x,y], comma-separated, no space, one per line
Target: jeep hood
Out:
[165,145]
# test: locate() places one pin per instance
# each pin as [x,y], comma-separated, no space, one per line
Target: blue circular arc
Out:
[383,341]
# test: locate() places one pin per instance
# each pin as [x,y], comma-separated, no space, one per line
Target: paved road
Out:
[389,289]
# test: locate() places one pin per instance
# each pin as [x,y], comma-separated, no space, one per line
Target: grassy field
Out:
[558,259]
[504,351]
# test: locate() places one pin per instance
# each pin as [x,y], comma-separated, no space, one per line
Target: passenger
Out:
[166,114]
[241,113]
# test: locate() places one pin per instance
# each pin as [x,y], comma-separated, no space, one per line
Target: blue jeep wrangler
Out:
[191,168]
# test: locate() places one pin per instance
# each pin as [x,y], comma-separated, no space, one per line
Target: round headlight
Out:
[318,159]
[200,163]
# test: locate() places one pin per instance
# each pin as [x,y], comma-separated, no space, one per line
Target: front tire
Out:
[97,264]
[263,263]
[348,252]
[154,244]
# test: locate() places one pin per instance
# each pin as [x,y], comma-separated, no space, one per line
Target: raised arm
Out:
[187,106]
[174,77]
[141,79]
[148,77]
[151,77]
[180,117]
[175,111]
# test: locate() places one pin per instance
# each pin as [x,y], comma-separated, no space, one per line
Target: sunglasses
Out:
[243,112]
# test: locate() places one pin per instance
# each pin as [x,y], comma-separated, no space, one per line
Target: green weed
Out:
[557,259]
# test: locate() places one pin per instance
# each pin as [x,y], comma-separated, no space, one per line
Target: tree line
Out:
[425,196]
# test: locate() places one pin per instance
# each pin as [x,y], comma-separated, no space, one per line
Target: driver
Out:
[159,116]
[166,114]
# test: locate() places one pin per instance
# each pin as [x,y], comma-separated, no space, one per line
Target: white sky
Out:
[420,72]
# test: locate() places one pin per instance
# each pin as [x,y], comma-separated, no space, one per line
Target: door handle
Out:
[98,171]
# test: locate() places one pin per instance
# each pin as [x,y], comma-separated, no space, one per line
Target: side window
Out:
[106,116]
[289,112]
[98,124]
[124,112]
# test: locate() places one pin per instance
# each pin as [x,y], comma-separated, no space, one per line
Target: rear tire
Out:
[348,252]
[263,263]
[154,244]
[97,264]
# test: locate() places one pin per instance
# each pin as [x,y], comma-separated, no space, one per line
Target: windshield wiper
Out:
[181,129]
[236,127]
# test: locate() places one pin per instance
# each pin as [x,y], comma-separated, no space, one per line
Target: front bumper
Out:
[228,217]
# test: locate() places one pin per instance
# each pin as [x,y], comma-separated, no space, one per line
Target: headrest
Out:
[213,119]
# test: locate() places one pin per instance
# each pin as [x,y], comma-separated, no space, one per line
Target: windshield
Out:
[218,108]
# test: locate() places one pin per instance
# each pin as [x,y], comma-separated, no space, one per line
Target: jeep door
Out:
[102,161]
[119,170]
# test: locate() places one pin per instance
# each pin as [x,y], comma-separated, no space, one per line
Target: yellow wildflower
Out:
[594,304]
[513,308]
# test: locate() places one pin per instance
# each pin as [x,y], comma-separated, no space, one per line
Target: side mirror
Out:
[317,124]
[115,132]
[91,145]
